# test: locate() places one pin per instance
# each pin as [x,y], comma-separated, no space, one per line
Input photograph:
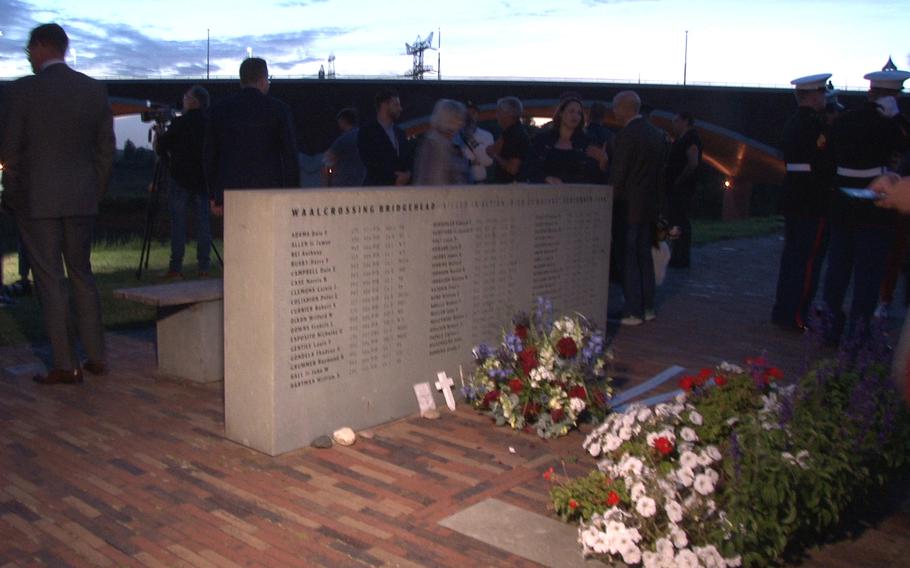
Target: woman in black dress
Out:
[562,153]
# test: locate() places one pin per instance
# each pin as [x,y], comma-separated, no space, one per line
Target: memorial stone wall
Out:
[338,301]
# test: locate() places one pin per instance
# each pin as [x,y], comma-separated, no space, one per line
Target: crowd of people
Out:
[840,191]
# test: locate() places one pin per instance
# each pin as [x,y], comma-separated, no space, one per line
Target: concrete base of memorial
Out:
[338,301]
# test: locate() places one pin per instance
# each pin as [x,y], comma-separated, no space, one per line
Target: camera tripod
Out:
[159,183]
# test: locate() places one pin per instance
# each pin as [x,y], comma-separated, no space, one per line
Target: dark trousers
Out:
[860,253]
[805,242]
[50,244]
[679,202]
[178,198]
[638,276]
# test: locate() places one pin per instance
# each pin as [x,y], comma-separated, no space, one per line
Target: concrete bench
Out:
[190,326]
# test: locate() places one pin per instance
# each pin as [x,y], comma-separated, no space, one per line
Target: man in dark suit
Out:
[383,147]
[637,177]
[57,150]
[249,139]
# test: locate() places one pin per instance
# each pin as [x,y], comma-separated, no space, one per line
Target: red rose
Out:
[491,396]
[528,358]
[566,348]
[720,380]
[573,504]
[686,383]
[612,498]
[522,332]
[774,373]
[557,414]
[532,409]
[578,391]
[663,445]
[516,385]
[548,475]
[704,373]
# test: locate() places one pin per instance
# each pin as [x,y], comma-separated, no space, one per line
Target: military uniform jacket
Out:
[864,144]
[810,167]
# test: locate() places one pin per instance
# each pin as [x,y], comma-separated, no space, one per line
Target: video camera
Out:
[159,114]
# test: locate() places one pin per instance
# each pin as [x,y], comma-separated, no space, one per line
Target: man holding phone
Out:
[865,143]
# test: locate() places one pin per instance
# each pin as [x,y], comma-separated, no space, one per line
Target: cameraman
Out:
[182,143]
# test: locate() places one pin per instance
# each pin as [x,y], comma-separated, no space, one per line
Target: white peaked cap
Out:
[893,80]
[811,82]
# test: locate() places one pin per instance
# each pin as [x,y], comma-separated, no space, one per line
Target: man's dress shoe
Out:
[60,377]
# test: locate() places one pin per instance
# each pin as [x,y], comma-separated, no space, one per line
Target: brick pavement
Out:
[132,470]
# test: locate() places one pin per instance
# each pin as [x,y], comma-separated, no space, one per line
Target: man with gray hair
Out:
[637,176]
[509,151]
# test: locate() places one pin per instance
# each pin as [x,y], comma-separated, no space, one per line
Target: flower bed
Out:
[546,376]
[736,468]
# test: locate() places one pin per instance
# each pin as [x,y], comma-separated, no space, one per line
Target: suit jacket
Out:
[250,144]
[638,166]
[57,144]
[379,156]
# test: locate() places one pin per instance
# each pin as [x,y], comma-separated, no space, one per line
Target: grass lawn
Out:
[115,267]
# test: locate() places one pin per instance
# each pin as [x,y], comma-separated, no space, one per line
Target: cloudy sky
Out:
[766,42]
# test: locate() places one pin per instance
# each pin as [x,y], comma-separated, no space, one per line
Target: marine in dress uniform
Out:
[865,144]
[807,193]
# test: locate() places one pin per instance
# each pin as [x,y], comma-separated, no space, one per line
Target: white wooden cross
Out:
[445,385]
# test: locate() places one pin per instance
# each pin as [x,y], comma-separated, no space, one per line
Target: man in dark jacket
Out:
[807,192]
[182,145]
[57,149]
[637,177]
[865,143]
[383,146]
[249,139]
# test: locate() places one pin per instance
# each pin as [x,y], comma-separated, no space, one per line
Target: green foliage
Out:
[794,458]
[579,499]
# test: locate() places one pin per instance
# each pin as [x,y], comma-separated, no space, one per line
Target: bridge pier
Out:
[737,198]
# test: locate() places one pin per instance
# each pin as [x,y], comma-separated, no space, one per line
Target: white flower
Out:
[594,449]
[631,554]
[732,421]
[680,540]
[713,475]
[681,398]
[650,560]
[646,507]
[704,459]
[713,453]
[631,465]
[685,476]
[613,442]
[686,559]
[703,484]
[625,433]
[688,434]
[638,491]
[688,460]
[709,556]
[674,511]
[539,375]
[696,418]
[734,562]
[576,405]
[628,419]
[644,414]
